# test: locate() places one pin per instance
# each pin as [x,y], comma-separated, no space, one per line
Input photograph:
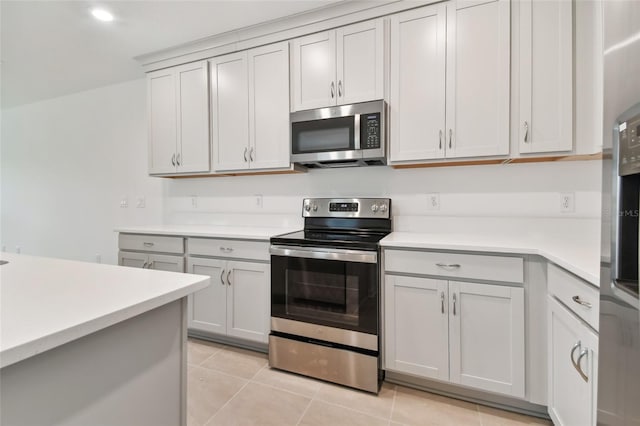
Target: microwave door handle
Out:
[356,131]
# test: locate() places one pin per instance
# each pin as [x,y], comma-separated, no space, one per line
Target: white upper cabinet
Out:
[449,95]
[269,106]
[417,96]
[338,67]
[230,111]
[546,84]
[179,119]
[250,109]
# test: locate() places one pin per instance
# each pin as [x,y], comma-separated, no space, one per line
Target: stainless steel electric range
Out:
[325,292]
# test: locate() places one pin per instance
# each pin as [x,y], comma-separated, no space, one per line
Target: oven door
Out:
[330,287]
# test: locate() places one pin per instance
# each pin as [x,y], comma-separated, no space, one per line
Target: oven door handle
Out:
[326,254]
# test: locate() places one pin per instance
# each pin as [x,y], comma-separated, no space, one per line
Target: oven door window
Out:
[326,292]
[332,134]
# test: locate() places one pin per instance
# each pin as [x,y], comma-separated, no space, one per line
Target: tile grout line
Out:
[393,403]
[227,403]
[479,414]
[304,412]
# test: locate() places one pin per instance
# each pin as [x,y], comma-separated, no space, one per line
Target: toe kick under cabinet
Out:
[457,318]
[236,304]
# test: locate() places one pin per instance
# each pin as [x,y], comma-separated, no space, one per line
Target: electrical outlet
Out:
[433,201]
[140,202]
[258,200]
[194,201]
[567,202]
[124,202]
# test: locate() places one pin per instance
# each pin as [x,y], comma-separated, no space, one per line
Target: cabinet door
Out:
[546,87]
[486,337]
[314,71]
[230,110]
[193,123]
[161,89]
[360,65]
[571,397]
[417,96]
[208,307]
[416,326]
[162,262]
[478,55]
[134,260]
[248,310]
[269,106]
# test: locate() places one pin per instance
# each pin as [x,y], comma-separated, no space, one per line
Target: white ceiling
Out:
[53,48]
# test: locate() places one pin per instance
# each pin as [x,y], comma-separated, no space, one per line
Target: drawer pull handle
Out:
[579,368]
[448,265]
[226,249]
[147,244]
[581,302]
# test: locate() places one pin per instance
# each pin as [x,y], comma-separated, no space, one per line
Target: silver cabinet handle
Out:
[228,279]
[332,90]
[582,355]
[526,132]
[226,249]
[245,155]
[147,244]
[573,349]
[339,87]
[144,265]
[442,302]
[454,304]
[251,154]
[222,277]
[581,302]
[178,159]
[450,136]
[173,159]
[150,265]
[448,265]
[440,146]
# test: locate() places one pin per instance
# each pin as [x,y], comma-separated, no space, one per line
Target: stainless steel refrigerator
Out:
[619,328]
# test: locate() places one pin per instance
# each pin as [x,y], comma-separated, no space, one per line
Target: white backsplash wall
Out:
[504,192]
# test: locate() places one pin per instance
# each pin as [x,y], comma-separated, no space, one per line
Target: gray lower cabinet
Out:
[151,252]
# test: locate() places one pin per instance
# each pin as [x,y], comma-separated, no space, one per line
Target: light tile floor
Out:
[230,386]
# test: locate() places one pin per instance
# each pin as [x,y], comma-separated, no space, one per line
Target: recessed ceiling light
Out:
[102,15]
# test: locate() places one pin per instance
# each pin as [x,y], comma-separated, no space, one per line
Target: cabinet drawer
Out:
[151,243]
[236,249]
[455,265]
[582,298]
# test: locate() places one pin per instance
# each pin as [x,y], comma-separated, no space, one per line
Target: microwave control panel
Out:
[629,146]
[370,131]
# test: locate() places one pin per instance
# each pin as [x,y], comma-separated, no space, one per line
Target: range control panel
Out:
[629,146]
[370,131]
[347,207]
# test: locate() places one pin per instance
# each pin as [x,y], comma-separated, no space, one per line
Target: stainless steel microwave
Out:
[340,136]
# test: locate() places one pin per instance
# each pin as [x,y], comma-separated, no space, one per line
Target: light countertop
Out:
[210,231]
[572,254]
[45,303]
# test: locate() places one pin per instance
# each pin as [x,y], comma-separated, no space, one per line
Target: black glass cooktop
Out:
[354,240]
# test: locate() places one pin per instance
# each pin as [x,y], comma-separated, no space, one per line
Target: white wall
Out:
[68,162]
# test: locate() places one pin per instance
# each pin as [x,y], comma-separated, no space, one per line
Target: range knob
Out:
[307,207]
[315,207]
[383,208]
[374,208]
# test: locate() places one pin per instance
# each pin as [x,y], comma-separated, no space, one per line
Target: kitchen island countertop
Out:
[45,303]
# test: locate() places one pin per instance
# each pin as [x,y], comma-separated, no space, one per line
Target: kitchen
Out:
[82,173]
